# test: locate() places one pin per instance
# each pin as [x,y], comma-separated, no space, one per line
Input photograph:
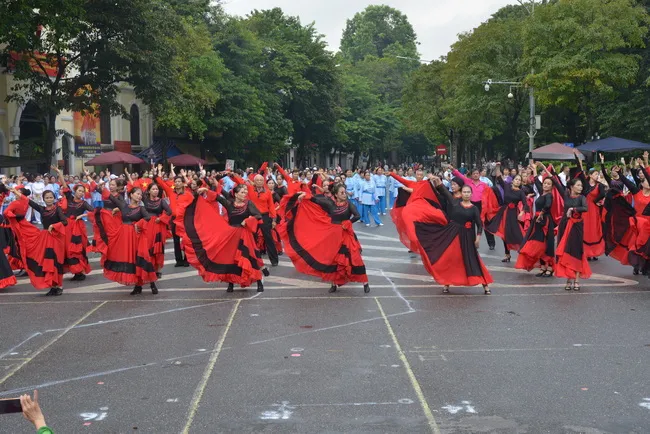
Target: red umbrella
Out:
[186,160]
[114,157]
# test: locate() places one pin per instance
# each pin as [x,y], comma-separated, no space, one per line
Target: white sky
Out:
[436,22]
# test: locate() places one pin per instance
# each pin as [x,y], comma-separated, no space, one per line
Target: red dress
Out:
[539,243]
[593,237]
[505,223]
[157,230]
[570,253]
[447,244]
[43,252]
[127,260]
[319,239]
[221,251]
[75,232]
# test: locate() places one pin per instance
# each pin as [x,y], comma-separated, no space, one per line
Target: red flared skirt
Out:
[320,248]
[156,237]
[76,259]
[570,254]
[506,226]
[220,252]
[593,232]
[43,253]
[538,245]
[127,260]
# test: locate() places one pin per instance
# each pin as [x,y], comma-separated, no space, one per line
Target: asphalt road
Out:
[531,358]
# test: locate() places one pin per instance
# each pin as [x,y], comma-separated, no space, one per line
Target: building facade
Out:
[84,137]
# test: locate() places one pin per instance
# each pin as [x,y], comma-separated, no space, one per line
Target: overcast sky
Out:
[436,22]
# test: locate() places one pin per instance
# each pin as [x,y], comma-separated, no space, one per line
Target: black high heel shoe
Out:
[506,259]
[231,288]
[332,288]
[136,290]
[154,288]
[260,286]
[366,288]
[266,272]
[542,274]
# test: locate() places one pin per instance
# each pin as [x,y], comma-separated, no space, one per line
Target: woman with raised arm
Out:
[127,260]
[76,209]
[220,250]
[319,239]
[506,223]
[7,241]
[158,225]
[539,243]
[449,246]
[571,260]
[594,192]
[43,251]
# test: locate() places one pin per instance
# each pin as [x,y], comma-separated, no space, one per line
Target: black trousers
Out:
[268,239]
[488,236]
[178,252]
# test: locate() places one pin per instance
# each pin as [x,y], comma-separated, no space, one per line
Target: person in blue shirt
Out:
[380,182]
[357,192]
[369,199]
[228,184]
[484,178]
[393,188]
[350,187]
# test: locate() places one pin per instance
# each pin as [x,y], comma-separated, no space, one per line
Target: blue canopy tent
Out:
[613,144]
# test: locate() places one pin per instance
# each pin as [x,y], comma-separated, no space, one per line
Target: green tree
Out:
[92,46]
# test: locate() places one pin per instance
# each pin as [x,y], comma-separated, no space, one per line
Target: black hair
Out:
[48,191]
[336,187]
[573,182]
[238,188]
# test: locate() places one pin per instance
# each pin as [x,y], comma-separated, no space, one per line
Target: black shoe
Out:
[231,288]
[274,264]
[260,286]
[51,292]
[595,258]
[58,291]
[154,288]
[333,288]
[491,247]
[179,264]
[366,288]
[21,273]
[136,290]
[78,277]
[635,271]
[159,275]
[265,272]
[186,264]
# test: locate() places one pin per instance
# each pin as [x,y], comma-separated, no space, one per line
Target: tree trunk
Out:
[50,143]
[355,160]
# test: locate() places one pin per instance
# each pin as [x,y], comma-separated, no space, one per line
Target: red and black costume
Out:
[100,215]
[76,260]
[157,229]
[43,252]
[620,228]
[127,259]
[539,243]
[319,239]
[447,244]
[570,253]
[593,235]
[222,251]
[177,201]
[505,223]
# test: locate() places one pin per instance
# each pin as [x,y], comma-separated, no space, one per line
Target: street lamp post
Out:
[532,123]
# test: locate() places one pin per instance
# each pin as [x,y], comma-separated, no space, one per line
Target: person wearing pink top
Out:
[478,187]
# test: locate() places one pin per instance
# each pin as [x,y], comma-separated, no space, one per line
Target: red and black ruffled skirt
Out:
[505,225]
[43,253]
[127,259]
[7,277]
[10,247]
[539,244]
[570,253]
[220,252]
[619,228]
[76,259]
[320,248]
[449,254]
[594,242]
[100,239]
[639,254]
[157,236]
[396,215]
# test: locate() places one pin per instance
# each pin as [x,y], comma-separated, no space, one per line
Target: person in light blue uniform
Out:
[228,184]
[369,200]
[357,193]
[393,188]
[380,182]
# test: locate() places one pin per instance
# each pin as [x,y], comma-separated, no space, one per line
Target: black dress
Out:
[505,223]
[570,253]
[539,243]
[76,260]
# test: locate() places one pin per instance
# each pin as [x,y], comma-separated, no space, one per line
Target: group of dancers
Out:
[223,231]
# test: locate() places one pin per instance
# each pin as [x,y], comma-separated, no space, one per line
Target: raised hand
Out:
[602,158]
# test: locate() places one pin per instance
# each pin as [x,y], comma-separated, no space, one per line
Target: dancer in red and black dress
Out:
[7,277]
[449,243]
[594,191]
[571,260]
[111,199]
[319,239]
[505,223]
[43,251]
[539,243]
[75,208]
[127,259]
[223,251]
[160,213]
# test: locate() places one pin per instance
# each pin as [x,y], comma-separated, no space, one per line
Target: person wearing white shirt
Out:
[38,188]
[564,174]
[484,178]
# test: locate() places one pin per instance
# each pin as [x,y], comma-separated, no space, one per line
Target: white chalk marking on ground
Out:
[403,401]
[172,400]
[282,413]
[645,403]
[465,405]
[396,291]
[327,328]
[11,350]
